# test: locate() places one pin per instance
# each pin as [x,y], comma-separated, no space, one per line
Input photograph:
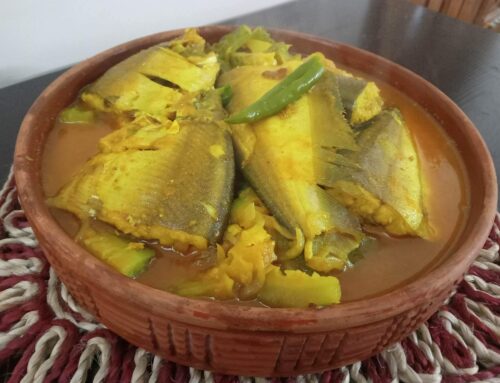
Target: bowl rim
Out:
[211,313]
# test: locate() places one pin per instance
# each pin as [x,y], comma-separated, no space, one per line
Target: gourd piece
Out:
[387,188]
[231,42]
[294,288]
[361,99]
[128,258]
[167,183]
[152,80]
[245,46]
[255,58]
[282,155]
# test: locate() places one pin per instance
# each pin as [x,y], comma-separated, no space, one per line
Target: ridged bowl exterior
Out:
[242,340]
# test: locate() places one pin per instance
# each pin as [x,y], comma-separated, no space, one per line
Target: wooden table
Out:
[462,60]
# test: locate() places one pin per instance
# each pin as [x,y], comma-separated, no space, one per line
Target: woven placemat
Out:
[46,337]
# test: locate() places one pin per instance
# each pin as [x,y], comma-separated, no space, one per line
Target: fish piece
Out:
[161,183]
[330,130]
[121,90]
[155,79]
[387,187]
[152,136]
[281,155]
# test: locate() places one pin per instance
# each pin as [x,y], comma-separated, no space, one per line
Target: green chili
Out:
[226,93]
[290,89]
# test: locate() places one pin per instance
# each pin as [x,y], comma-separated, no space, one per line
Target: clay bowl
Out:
[242,340]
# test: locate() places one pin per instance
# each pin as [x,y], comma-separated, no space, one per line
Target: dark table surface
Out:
[462,60]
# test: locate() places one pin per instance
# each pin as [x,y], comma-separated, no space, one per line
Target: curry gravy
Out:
[389,263]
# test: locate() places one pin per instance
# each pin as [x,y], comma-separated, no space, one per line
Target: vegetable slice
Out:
[294,288]
[127,257]
[76,114]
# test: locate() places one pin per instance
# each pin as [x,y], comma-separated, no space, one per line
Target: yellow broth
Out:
[389,263]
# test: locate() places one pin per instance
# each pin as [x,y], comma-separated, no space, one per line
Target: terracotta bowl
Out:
[251,340]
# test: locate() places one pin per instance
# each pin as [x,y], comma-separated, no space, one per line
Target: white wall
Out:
[39,36]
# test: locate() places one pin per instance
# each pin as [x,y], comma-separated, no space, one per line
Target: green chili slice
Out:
[290,89]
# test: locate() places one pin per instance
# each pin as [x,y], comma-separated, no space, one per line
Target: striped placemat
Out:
[46,337]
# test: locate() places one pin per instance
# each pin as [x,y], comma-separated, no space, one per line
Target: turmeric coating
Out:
[278,206]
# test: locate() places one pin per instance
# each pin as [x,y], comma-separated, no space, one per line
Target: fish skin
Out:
[168,193]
